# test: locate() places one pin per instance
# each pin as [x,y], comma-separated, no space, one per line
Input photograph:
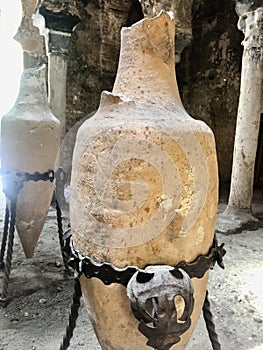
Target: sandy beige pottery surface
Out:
[30,136]
[144,181]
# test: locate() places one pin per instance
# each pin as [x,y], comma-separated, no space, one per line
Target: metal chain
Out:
[73,315]
[13,182]
[60,235]
[210,326]
[5,234]
[3,299]
[108,273]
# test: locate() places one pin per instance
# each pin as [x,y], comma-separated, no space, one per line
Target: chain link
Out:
[108,273]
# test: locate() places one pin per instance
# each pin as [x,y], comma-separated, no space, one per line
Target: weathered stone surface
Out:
[86,79]
[58,16]
[84,82]
[59,6]
[56,21]
[248,119]
[113,16]
[243,6]
[209,74]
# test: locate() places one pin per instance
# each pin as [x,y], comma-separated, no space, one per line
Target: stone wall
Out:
[209,74]
[94,52]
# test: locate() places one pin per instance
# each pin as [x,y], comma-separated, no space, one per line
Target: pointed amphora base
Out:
[33,203]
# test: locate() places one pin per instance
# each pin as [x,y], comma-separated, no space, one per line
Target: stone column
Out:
[56,23]
[182,10]
[248,119]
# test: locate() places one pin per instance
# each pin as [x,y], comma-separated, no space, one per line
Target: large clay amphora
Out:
[30,136]
[144,182]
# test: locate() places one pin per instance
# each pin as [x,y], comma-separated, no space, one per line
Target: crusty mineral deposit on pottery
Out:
[144,181]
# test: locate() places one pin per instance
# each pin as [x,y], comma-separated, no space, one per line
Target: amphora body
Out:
[144,182]
[30,137]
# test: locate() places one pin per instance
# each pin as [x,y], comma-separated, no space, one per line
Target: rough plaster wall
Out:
[209,74]
[113,14]
[94,53]
[84,82]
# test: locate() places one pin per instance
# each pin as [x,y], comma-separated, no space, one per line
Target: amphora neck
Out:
[146,71]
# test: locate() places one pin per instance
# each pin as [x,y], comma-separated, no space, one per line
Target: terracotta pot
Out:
[144,181]
[30,136]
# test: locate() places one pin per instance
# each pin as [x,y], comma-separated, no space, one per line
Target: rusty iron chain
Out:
[61,238]
[5,234]
[13,182]
[108,273]
[210,326]
[72,316]
[8,262]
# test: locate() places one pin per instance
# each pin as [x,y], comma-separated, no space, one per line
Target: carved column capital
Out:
[56,22]
[251,23]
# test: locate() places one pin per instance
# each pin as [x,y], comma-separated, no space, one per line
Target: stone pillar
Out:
[28,36]
[56,23]
[248,120]
[182,10]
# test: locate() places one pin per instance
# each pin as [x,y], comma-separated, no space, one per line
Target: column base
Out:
[234,220]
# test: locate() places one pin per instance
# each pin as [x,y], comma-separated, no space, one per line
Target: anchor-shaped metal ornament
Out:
[152,294]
